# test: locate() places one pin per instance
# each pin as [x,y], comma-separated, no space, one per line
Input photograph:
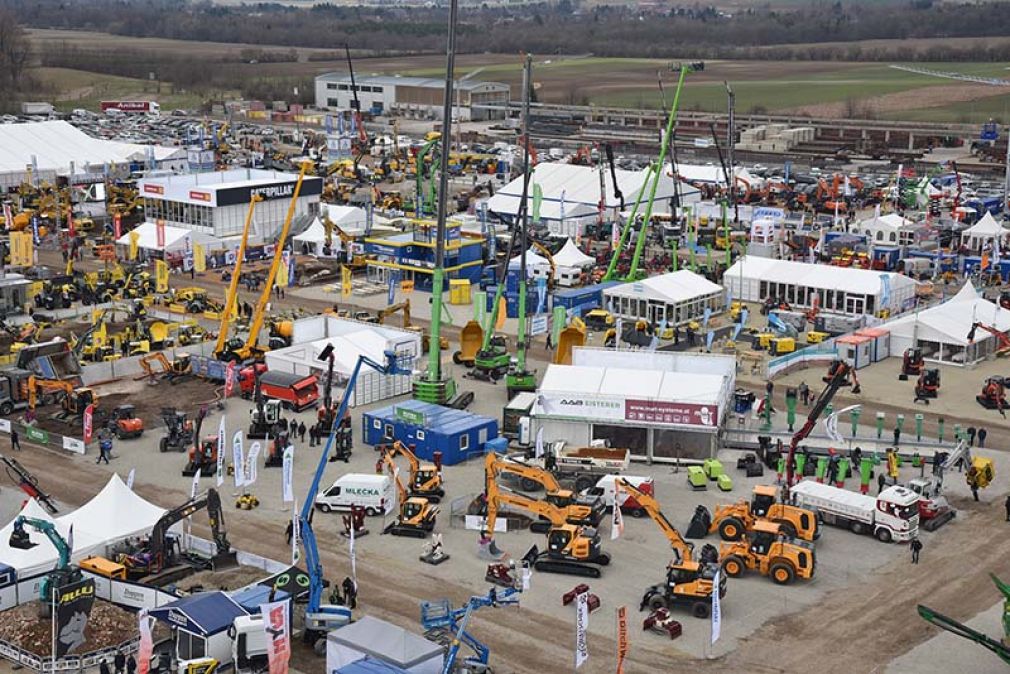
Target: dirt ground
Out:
[914,99]
[108,625]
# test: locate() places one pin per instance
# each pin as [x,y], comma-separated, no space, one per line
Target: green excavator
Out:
[63,574]
[999,647]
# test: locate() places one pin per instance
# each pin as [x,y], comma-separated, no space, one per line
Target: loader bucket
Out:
[569,338]
[700,523]
[159,331]
[470,339]
[489,551]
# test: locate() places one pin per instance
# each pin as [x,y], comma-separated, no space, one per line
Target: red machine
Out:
[912,362]
[993,395]
[247,379]
[928,385]
[295,391]
[845,371]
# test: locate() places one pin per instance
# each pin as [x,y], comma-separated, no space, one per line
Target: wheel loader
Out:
[766,550]
[738,519]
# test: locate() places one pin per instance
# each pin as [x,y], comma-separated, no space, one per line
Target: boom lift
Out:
[448,626]
[735,520]
[321,618]
[251,349]
[839,375]
[765,550]
[425,478]
[63,574]
[571,548]
[689,582]
[577,510]
[416,516]
[231,299]
[160,552]
[27,482]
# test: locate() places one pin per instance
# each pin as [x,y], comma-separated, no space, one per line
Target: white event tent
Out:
[982,232]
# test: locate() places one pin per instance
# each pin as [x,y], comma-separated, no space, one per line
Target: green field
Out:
[79,89]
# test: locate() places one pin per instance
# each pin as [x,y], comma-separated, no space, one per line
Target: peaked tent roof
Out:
[175,237]
[386,641]
[115,512]
[987,226]
[571,256]
[950,322]
[675,286]
[827,277]
[44,555]
[532,260]
[205,613]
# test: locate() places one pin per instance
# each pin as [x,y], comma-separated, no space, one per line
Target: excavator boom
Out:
[232,297]
[651,506]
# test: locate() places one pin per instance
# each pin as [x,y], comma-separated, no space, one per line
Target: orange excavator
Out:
[1002,341]
[571,548]
[577,511]
[425,478]
[831,197]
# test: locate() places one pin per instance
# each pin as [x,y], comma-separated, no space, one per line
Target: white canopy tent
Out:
[44,556]
[571,256]
[175,238]
[941,331]
[536,265]
[983,232]
[677,298]
[117,512]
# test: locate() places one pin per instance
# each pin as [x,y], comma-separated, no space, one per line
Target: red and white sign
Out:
[275,624]
[160,230]
[229,379]
[662,412]
[8,217]
[146,642]
[89,415]
[117,224]
[129,106]
[153,189]
[199,196]
[71,229]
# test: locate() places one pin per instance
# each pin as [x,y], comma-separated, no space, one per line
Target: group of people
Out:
[122,664]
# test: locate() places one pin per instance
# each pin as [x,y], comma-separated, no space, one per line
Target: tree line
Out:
[567,26]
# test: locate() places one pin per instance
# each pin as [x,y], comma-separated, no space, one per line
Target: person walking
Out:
[897,436]
[119,662]
[981,437]
[15,440]
[550,341]
[971,436]
[1006,505]
[916,546]
[881,482]
[104,450]
[131,664]
[289,531]
[804,391]
[313,435]
[301,431]
[103,667]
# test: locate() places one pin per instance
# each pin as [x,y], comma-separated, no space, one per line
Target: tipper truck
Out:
[892,515]
[582,466]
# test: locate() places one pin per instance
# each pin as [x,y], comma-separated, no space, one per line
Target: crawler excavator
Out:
[572,549]
[416,516]
[425,478]
[62,574]
[689,582]
[735,520]
[588,511]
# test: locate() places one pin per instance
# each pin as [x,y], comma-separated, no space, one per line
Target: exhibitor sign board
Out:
[662,412]
[590,408]
[269,192]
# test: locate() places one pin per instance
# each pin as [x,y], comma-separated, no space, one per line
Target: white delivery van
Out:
[604,489]
[372,491]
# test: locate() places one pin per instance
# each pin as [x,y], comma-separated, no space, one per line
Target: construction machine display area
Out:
[687,416]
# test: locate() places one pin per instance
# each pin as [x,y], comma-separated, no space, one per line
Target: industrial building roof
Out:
[396,80]
[176,187]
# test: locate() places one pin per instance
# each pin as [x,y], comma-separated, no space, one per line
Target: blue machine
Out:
[440,616]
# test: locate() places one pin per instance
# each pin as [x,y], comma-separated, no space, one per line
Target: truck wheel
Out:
[325,507]
[883,535]
[6,408]
[163,445]
[781,573]
[731,529]
[857,528]
[700,610]
[786,528]
[455,358]
[638,512]
[657,601]
[371,512]
[733,566]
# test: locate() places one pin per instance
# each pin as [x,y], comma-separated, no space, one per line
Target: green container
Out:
[725,483]
[696,477]
[713,469]
[843,469]
[801,462]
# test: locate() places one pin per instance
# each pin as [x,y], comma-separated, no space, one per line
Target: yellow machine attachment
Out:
[892,463]
[981,474]
[572,336]
[767,551]
[470,339]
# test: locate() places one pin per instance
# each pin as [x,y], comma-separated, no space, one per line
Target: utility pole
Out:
[731,141]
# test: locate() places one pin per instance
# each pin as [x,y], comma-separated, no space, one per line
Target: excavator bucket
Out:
[569,338]
[470,339]
[700,523]
[21,540]
[487,550]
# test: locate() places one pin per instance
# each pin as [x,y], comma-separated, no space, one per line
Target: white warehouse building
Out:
[217,203]
[839,290]
[418,97]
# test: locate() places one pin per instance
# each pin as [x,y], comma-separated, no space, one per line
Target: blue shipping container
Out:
[585,298]
[458,435]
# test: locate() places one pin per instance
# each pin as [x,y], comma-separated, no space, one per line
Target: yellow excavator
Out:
[403,308]
[425,478]
[735,520]
[577,511]
[689,582]
[167,369]
[571,548]
[550,260]
[416,516]
[354,261]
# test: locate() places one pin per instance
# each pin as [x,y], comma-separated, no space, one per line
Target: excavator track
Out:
[568,568]
[399,530]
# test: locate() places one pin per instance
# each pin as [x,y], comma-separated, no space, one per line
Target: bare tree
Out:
[14,51]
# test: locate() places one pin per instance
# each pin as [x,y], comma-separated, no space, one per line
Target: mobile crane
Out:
[571,548]
[577,511]
[231,299]
[425,478]
[63,573]
[250,349]
[689,582]
[840,373]
[416,515]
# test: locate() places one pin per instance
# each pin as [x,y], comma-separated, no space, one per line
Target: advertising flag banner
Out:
[221,434]
[581,629]
[89,416]
[238,458]
[287,466]
[73,608]
[251,461]
[716,609]
[146,642]
[278,632]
